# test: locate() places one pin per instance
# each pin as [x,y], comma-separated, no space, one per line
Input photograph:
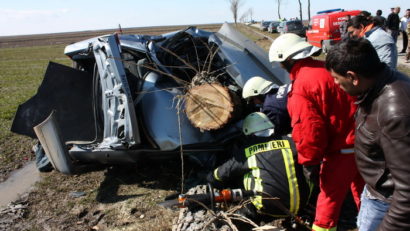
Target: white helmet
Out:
[257,86]
[290,44]
[256,122]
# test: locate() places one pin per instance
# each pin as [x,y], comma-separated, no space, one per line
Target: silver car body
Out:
[147,121]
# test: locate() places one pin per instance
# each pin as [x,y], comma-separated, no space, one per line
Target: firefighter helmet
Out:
[256,86]
[256,122]
[288,45]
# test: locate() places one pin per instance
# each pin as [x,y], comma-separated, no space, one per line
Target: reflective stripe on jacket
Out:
[268,166]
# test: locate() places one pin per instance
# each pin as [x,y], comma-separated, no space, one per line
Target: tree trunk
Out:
[309,10]
[300,10]
[234,5]
[210,106]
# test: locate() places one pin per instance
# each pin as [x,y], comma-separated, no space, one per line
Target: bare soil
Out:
[113,198]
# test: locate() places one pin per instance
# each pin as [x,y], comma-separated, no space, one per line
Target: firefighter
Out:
[322,120]
[272,100]
[265,161]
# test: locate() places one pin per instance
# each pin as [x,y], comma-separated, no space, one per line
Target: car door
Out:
[120,122]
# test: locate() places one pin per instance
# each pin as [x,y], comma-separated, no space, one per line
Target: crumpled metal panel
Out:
[160,115]
[67,91]
[246,58]
[120,121]
[49,135]
[158,102]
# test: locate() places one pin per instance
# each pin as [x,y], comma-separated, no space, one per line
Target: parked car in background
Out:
[273,27]
[294,26]
[264,25]
[324,28]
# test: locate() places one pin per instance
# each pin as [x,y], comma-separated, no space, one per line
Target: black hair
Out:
[354,54]
[379,12]
[358,21]
[365,13]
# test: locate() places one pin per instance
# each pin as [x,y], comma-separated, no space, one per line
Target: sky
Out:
[20,17]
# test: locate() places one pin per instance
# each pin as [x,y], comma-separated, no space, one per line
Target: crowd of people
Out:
[341,125]
[381,32]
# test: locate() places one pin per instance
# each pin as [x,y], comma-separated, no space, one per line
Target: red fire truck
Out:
[324,28]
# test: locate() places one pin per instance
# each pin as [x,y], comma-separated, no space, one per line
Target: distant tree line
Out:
[235,5]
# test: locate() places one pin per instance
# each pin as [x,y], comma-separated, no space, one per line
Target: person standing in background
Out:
[393,23]
[379,20]
[343,27]
[382,41]
[403,28]
[366,14]
[408,50]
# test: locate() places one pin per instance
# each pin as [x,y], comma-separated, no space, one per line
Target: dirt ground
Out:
[113,198]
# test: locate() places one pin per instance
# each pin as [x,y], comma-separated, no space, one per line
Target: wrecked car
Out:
[135,96]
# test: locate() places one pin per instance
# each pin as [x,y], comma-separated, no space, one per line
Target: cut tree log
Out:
[209,106]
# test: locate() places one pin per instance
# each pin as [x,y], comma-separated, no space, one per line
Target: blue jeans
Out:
[371,212]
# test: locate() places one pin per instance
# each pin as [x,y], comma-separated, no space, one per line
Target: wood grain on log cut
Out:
[209,106]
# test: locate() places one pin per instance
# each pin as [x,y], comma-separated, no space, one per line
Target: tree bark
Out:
[209,106]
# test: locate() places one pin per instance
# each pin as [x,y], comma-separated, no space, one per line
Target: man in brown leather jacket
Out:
[382,141]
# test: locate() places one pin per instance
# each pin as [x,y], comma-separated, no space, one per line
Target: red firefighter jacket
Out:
[322,114]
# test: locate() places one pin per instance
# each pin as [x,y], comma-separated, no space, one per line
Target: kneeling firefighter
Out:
[265,162]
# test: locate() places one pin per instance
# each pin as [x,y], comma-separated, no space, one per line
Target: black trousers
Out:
[405,41]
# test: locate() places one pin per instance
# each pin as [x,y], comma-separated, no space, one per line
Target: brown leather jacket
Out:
[383,145]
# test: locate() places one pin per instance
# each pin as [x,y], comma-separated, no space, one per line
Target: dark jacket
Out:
[267,165]
[275,107]
[380,21]
[343,29]
[393,21]
[383,145]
